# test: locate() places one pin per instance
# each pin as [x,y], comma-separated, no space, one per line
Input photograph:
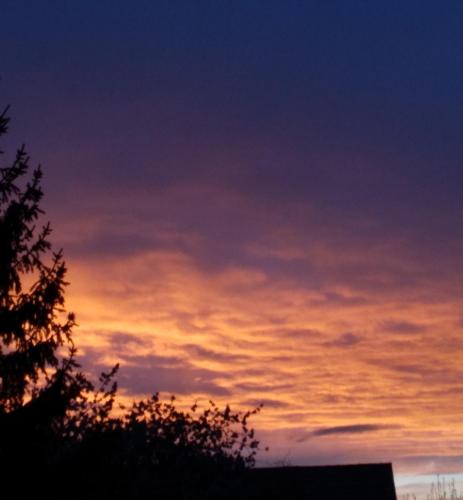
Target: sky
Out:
[260,201]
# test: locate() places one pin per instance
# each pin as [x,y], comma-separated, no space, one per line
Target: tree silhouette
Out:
[35,382]
[52,418]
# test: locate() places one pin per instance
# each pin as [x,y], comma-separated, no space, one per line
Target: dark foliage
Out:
[56,428]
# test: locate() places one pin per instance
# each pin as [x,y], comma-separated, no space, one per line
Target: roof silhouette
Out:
[338,482]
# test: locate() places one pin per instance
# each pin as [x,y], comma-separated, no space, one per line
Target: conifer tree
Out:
[37,379]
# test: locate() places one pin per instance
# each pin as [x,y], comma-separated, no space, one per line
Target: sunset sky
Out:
[260,201]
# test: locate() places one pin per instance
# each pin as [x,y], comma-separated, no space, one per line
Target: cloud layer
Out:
[340,337]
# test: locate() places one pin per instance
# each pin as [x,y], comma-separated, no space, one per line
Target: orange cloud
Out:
[330,329]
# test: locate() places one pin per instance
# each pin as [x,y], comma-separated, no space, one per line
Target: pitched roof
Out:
[339,482]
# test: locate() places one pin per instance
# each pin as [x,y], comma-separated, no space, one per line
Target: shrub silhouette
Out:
[56,428]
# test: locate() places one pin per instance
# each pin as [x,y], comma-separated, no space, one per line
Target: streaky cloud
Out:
[348,339]
[347,429]
[401,326]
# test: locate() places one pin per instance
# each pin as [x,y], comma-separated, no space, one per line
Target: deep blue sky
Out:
[270,86]
[353,106]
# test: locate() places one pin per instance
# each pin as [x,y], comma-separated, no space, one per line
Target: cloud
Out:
[345,340]
[293,333]
[346,429]
[351,429]
[196,351]
[183,380]
[266,402]
[401,326]
[334,298]
[327,334]
[251,387]
[121,340]
[146,374]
